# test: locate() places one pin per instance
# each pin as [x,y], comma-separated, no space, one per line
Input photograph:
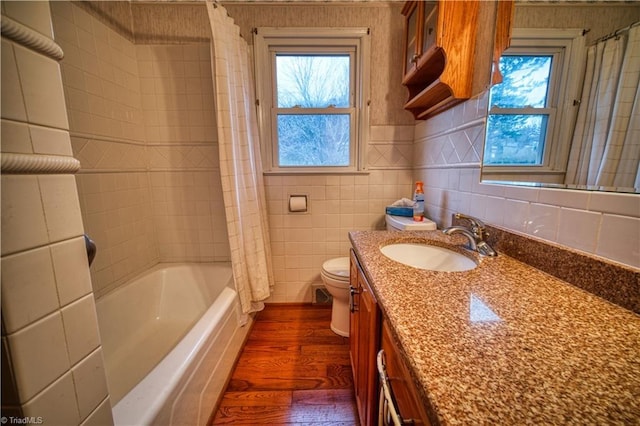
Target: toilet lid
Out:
[338,268]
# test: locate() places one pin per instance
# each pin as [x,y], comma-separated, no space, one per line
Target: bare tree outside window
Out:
[313,101]
[517,123]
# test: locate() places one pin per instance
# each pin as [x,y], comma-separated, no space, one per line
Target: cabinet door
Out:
[364,335]
[354,302]
[429,26]
[369,344]
[408,403]
[411,34]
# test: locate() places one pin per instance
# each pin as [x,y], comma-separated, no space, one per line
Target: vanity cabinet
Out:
[447,52]
[407,401]
[364,336]
[368,333]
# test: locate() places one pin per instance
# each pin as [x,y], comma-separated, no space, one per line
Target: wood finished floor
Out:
[293,370]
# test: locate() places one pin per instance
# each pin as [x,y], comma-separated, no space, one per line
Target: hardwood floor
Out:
[293,370]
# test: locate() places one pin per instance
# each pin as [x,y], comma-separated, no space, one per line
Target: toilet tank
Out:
[401,223]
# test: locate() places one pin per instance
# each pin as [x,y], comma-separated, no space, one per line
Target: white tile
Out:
[12,100]
[101,416]
[39,355]
[564,198]
[46,140]
[15,137]
[478,206]
[521,193]
[81,328]
[516,215]
[61,206]
[543,221]
[56,404]
[28,288]
[494,214]
[579,229]
[41,84]
[91,382]
[619,239]
[9,389]
[71,269]
[620,204]
[23,223]
[33,14]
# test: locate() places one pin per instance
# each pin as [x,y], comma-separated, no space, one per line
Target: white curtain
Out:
[240,164]
[605,149]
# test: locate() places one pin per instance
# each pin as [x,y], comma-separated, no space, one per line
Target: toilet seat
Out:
[337,269]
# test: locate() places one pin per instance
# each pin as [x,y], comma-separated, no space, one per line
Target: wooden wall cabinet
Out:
[448,51]
[364,336]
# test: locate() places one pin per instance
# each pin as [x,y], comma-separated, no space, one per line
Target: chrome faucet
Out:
[464,231]
[475,235]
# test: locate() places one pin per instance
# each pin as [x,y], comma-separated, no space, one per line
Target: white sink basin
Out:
[424,256]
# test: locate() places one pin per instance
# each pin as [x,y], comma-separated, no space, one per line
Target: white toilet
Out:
[335,276]
[401,223]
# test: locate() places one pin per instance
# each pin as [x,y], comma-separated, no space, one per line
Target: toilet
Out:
[401,223]
[335,274]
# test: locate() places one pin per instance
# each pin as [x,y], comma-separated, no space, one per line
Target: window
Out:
[531,113]
[312,100]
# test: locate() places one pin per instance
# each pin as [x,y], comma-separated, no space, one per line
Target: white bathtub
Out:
[170,338]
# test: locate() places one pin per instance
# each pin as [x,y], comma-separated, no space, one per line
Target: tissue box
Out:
[400,211]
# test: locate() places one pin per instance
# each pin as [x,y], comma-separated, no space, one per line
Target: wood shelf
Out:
[452,65]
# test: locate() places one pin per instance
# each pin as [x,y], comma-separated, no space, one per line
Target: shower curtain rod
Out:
[616,33]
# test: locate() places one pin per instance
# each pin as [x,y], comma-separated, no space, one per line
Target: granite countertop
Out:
[505,343]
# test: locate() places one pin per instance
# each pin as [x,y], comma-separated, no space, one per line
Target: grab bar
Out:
[91,248]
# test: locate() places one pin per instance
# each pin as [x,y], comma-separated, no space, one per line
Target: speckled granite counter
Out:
[506,343]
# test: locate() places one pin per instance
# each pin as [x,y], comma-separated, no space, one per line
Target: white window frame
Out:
[568,49]
[269,41]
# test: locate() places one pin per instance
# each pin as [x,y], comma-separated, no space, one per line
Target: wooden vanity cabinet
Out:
[364,336]
[408,402]
[447,52]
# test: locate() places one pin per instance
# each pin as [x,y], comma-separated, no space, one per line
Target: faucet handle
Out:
[475,222]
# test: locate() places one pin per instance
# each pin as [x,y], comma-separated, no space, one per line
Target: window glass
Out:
[515,139]
[312,81]
[313,95]
[314,140]
[517,123]
[525,82]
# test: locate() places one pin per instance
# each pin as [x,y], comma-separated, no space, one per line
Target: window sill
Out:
[314,172]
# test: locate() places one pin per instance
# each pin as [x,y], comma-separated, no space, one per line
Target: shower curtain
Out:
[240,164]
[605,150]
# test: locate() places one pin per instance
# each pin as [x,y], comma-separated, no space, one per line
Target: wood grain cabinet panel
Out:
[364,343]
[448,51]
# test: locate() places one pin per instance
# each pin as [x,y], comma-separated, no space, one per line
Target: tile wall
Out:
[447,157]
[337,204]
[142,126]
[52,367]
[174,146]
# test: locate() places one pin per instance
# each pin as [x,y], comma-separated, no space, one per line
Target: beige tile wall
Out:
[603,224]
[180,157]
[143,128]
[100,74]
[301,242]
[51,347]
